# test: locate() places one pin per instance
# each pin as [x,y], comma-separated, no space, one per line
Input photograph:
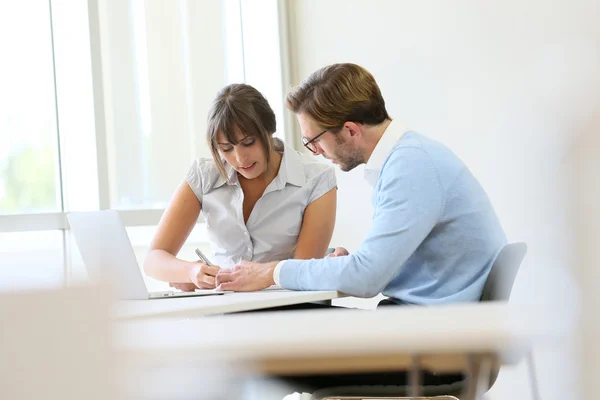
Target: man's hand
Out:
[184,287]
[339,251]
[246,277]
[202,275]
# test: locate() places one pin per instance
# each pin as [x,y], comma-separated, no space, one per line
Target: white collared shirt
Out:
[389,139]
[273,226]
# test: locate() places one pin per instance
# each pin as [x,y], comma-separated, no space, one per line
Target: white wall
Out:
[503,84]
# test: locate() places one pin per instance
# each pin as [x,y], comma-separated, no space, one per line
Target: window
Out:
[105,107]
[29,180]
[165,61]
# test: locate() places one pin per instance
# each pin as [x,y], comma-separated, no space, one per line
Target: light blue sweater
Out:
[433,238]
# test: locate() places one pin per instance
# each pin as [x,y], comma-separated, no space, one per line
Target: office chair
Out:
[498,287]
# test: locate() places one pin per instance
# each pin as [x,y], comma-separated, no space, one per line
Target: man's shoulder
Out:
[412,148]
[416,140]
[417,147]
[420,155]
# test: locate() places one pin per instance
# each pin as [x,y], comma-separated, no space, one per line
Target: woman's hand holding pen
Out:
[202,275]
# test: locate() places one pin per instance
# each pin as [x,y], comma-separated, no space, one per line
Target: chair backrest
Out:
[500,281]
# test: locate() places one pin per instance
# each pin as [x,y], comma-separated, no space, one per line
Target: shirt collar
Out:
[231,179]
[294,167]
[291,171]
[394,132]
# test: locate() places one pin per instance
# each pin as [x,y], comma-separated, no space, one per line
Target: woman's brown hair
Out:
[241,108]
[339,93]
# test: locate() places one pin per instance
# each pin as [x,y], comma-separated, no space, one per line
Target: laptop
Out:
[108,256]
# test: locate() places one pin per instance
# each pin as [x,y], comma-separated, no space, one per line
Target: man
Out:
[434,234]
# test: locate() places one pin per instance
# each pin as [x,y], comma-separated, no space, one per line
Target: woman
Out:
[261,200]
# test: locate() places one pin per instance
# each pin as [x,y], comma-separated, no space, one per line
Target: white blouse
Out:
[273,226]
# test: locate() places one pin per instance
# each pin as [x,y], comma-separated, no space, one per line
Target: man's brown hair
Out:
[339,93]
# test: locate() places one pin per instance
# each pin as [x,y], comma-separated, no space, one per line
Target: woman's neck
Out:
[266,177]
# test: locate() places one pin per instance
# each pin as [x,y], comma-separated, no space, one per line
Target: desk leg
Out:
[414,378]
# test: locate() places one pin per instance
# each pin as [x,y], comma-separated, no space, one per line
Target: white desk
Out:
[459,338]
[188,307]
[343,340]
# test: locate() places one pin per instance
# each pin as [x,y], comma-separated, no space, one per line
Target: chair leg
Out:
[478,376]
[535,389]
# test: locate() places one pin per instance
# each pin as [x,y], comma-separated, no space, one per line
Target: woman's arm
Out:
[174,228]
[317,227]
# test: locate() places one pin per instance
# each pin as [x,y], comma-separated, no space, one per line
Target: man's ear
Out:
[353,128]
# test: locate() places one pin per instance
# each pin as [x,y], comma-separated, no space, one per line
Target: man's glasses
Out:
[309,144]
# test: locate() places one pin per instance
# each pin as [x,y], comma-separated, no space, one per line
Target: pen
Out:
[204,259]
